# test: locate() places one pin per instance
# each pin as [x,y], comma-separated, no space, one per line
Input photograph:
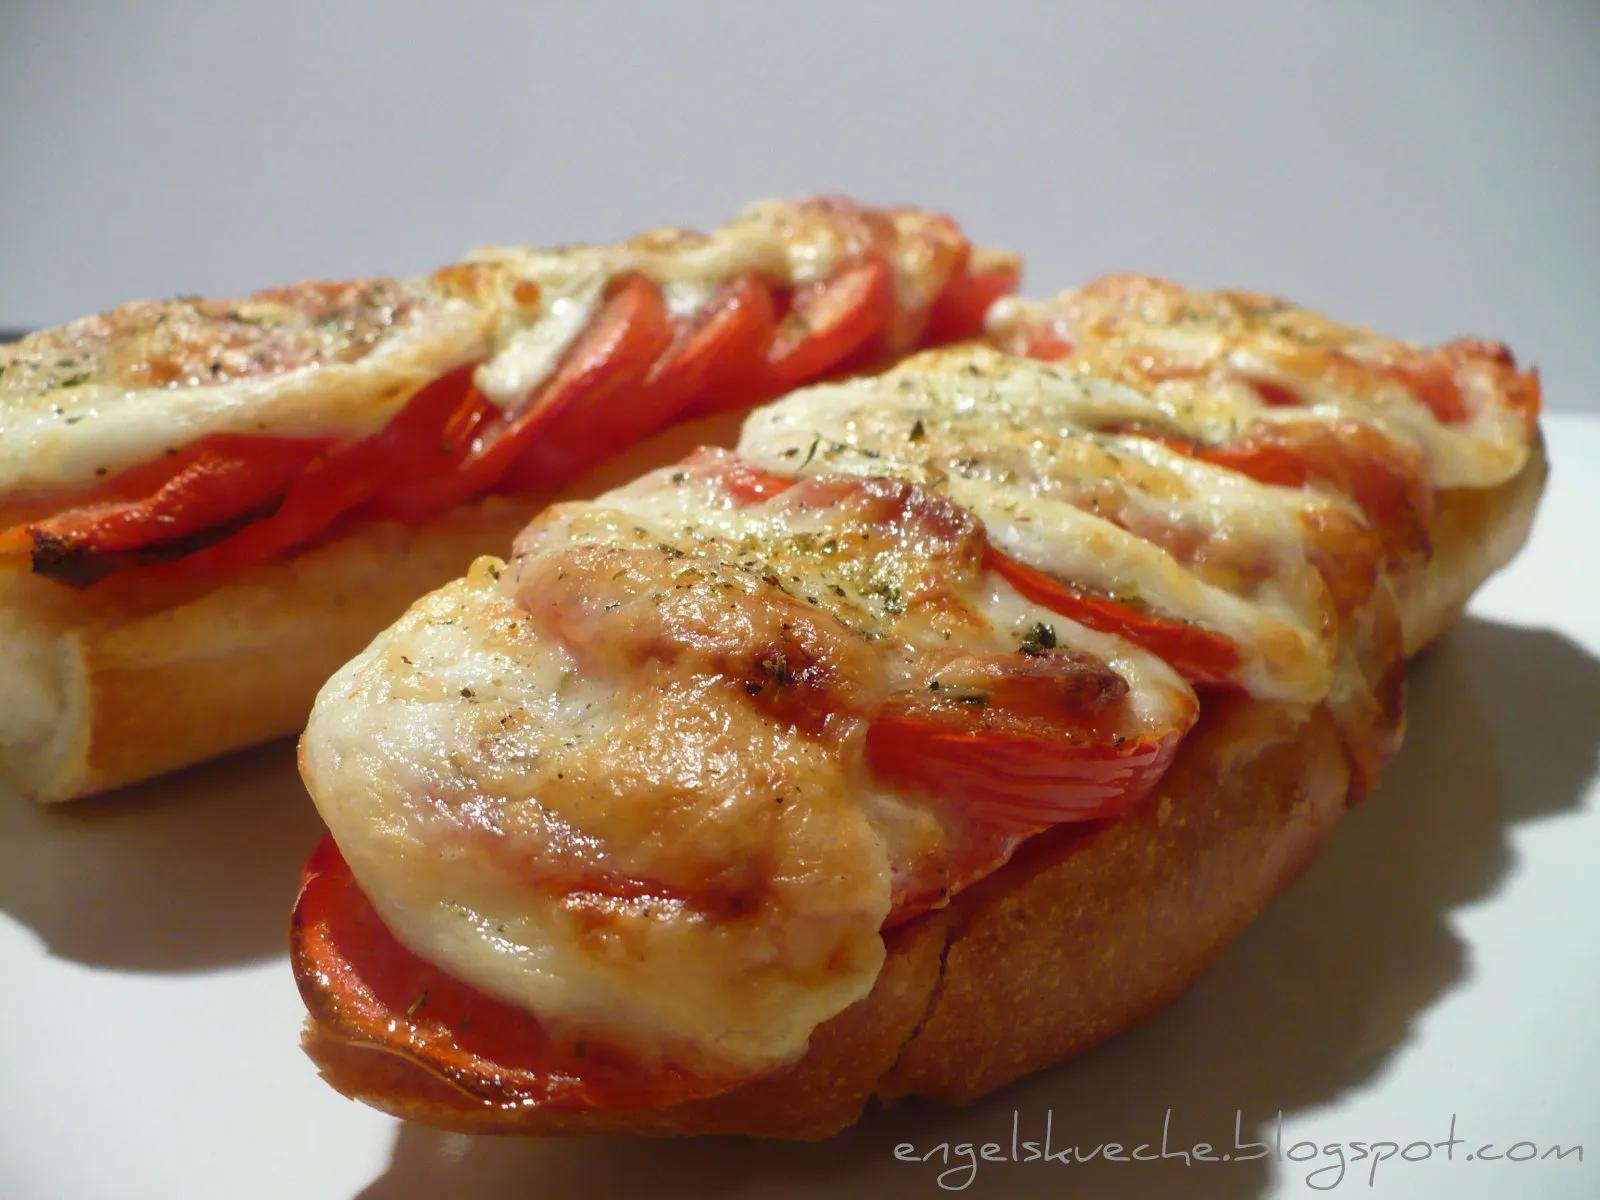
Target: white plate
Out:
[1441,958]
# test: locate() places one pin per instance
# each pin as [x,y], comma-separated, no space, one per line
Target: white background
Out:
[1429,168]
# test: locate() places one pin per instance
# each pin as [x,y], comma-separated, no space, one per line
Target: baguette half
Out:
[1084,932]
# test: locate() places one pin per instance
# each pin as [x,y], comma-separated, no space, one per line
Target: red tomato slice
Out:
[826,322]
[1199,655]
[618,347]
[1040,341]
[1274,394]
[1018,780]
[363,986]
[224,476]
[337,482]
[962,305]
[1024,741]
[133,484]
[751,485]
[723,382]
[1351,457]
[727,341]
[1435,374]
[1431,378]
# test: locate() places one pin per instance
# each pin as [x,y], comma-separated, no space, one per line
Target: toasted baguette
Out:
[1085,932]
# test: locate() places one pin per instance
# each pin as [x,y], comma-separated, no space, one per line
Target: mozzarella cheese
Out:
[561,781]
[340,359]
[111,391]
[1016,442]
[795,244]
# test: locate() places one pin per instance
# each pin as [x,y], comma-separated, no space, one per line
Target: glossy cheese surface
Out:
[1203,356]
[339,359]
[111,391]
[619,780]
[1019,443]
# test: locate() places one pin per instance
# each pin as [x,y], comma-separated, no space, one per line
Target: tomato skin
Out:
[751,485]
[220,477]
[617,348]
[1274,394]
[630,372]
[364,987]
[1436,376]
[137,483]
[827,321]
[1353,458]
[727,342]
[960,308]
[336,482]
[1018,780]
[1198,654]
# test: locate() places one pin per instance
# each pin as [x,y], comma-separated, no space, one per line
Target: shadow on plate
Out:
[191,871]
[1313,1001]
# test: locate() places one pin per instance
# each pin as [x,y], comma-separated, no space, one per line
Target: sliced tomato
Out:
[364,987]
[749,484]
[1041,341]
[1356,459]
[1274,394]
[728,341]
[1199,655]
[224,476]
[965,300]
[134,484]
[1434,376]
[340,480]
[1434,384]
[1018,780]
[1025,741]
[975,849]
[616,349]
[827,321]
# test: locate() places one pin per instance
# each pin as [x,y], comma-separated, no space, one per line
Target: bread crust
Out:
[1475,532]
[1085,932]
[128,686]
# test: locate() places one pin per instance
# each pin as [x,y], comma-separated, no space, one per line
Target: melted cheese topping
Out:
[1017,442]
[340,359]
[111,391]
[505,765]
[1197,353]
[620,782]
[794,244]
